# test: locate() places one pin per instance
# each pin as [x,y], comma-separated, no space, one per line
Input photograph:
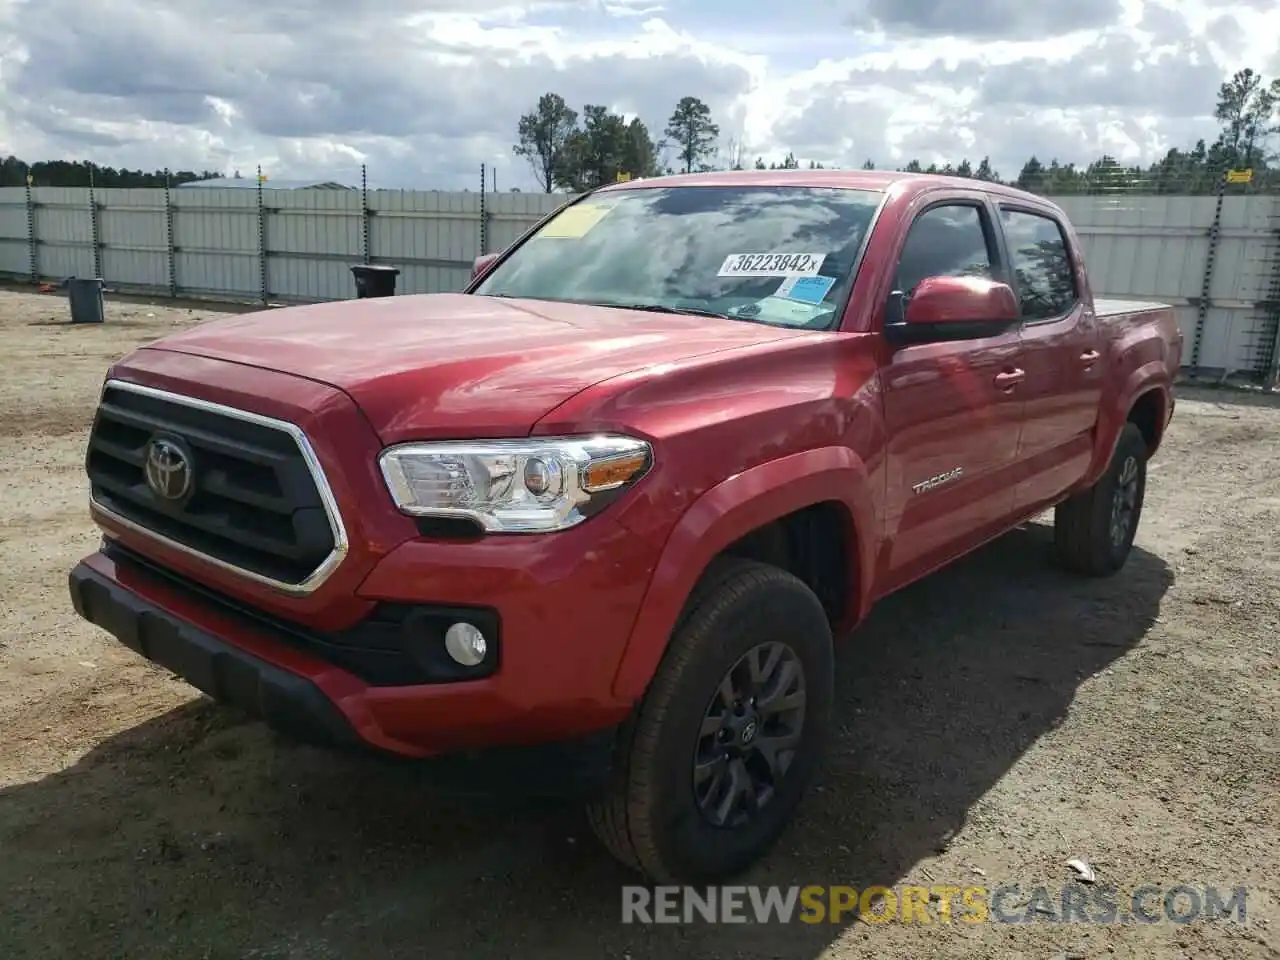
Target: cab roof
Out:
[875,180]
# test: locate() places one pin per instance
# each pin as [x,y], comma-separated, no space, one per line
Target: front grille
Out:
[253,503]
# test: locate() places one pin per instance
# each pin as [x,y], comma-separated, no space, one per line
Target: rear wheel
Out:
[1094,530]
[716,759]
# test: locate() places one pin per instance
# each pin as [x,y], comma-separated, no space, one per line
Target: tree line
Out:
[73,173]
[575,152]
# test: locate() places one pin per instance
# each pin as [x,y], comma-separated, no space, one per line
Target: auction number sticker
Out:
[771,265]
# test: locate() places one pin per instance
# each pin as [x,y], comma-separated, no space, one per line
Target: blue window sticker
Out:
[805,289]
[780,310]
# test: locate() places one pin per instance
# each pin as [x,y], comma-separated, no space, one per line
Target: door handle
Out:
[1089,356]
[1010,379]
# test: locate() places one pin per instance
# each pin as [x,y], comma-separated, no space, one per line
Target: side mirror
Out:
[482,263]
[952,308]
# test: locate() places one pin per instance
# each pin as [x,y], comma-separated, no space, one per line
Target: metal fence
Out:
[1215,257]
[257,245]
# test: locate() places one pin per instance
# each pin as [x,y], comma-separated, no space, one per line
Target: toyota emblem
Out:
[168,469]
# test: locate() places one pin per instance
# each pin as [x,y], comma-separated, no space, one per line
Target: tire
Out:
[1084,538]
[649,816]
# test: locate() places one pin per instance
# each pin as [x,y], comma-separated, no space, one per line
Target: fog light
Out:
[466,644]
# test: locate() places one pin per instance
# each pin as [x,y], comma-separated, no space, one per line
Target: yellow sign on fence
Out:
[623,177]
[1239,176]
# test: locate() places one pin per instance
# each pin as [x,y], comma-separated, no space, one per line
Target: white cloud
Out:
[426,90]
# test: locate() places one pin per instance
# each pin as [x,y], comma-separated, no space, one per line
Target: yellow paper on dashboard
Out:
[574,222]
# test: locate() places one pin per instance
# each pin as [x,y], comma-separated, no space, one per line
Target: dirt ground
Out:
[994,721]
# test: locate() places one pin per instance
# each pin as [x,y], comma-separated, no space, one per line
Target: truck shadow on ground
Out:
[198,835]
[1225,396]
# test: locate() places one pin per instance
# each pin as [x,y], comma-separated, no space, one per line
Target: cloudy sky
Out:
[426,90]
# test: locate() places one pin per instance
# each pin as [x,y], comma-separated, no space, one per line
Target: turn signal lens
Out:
[601,475]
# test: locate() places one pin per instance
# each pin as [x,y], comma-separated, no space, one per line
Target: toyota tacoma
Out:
[617,499]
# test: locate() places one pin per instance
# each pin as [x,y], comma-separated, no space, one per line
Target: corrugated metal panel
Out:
[131,229]
[216,236]
[1224,348]
[1143,247]
[14,249]
[65,232]
[1239,249]
[432,236]
[314,236]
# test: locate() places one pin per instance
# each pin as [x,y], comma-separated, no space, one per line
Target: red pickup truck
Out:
[614,501]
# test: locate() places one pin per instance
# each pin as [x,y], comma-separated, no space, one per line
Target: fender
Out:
[726,513]
[1153,375]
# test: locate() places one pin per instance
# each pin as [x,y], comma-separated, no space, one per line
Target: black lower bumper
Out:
[285,701]
[298,708]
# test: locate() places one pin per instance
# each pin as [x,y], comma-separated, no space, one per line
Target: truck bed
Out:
[1104,307]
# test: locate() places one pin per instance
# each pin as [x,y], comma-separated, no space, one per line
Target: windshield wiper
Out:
[661,308]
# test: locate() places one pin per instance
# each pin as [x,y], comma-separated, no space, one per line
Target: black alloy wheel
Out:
[749,735]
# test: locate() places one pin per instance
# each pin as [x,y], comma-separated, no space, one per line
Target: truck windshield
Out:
[776,255]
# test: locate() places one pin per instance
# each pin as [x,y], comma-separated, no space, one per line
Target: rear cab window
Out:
[1044,276]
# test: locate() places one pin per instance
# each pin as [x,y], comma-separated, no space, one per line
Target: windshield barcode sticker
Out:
[805,289]
[771,265]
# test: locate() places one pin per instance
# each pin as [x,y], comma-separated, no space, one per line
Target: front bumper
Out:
[474,738]
[229,674]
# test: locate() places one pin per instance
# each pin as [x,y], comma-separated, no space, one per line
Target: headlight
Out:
[514,486]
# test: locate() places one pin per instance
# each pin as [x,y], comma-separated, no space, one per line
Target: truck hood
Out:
[462,366]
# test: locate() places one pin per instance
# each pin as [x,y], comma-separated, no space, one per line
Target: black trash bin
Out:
[375,280]
[85,297]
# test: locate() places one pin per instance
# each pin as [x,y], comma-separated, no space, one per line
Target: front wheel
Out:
[716,760]
[1094,530]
